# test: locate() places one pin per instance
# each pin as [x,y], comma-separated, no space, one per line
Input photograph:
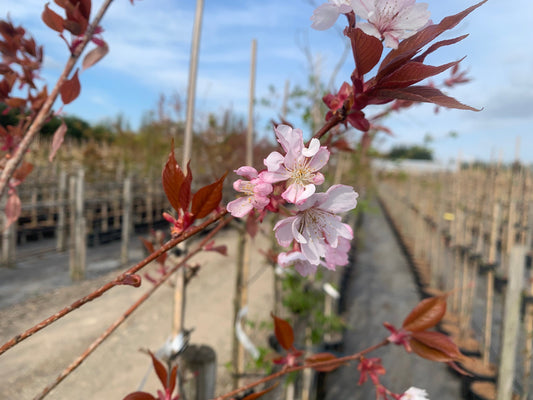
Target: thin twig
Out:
[327,126]
[320,364]
[13,162]
[76,363]
[117,281]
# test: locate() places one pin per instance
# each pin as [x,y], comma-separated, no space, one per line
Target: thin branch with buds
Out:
[321,364]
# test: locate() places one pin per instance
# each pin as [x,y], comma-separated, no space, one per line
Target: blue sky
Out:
[150,46]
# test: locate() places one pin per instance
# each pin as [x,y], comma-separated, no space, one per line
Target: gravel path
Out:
[380,288]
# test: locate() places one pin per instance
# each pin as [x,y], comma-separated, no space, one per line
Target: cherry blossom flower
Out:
[296,258]
[326,14]
[256,191]
[299,167]
[391,20]
[414,393]
[316,227]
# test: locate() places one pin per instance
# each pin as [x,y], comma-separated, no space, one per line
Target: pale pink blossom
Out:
[298,260]
[414,393]
[338,256]
[317,227]
[325,15]
[256,192]
[299,167]
[391,20]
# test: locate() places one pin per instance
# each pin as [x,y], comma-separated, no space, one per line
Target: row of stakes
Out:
[468,234]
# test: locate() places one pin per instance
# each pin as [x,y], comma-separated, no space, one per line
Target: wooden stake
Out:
[126,220]
[511,323]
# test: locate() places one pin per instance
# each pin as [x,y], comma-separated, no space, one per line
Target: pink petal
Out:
[240,207]
[283,231]
[369,29]
[339,198]
[313,148]
[363,8]
[247,172]
[319,159]
[276,176]
[262,189]
[273,161]
[324,16]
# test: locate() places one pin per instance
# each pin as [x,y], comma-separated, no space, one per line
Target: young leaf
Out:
[160,370]
[172,180]
[57,140]
[70,89]
[426,314]
[424,94]
[23,171]
[254,396]
[173,375]
[411,73]
[148,245]
[283,332]
[52,19]
[366,51]
[207,198]
[95,55]
[435,346]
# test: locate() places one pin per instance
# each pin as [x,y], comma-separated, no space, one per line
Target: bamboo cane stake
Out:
[528,321]
[496,217]
[180,290]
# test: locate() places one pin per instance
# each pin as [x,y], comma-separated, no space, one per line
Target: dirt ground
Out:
[117,367]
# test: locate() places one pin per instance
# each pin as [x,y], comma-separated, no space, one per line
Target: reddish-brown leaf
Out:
[252,225]
[95,55]
[424,94]
[207,198]
[148,245]
[435,346]
[52,19]
[283,331]
[254,396]
[437,45]
[173,375]
[70,89]
[131,280]
[410,46]
[15,102]
[139,396]
[73,27]
[321,357]
[426,314]
[411,73]
[366,51]
[57,140]
[172,180]
[160,370]
[23,171]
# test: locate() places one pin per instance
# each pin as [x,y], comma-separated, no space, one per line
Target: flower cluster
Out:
[388,20]
[314,228]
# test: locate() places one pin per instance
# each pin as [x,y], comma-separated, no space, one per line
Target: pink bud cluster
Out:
[314,228]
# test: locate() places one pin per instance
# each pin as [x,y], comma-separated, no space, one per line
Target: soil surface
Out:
[380,288]
[41,286]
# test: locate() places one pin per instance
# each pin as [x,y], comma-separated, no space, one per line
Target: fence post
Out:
[9,240]
[126,219]
[78,252]
[61,229]
[511,323]
[202,361]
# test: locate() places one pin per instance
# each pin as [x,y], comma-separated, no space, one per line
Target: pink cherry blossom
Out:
[391,20]
[317,227]
[298,260]
[256,191]
[299,167]
[326,14]
[414,393]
